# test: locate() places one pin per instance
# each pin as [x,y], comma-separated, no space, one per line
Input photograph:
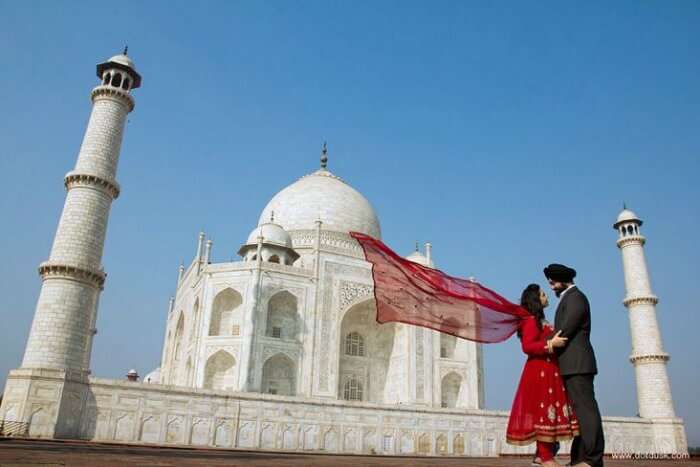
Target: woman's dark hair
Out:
[530,300]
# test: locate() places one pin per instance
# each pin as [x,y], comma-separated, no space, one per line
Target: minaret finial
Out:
[624,205]
[126,49]
[417,249]
[272,216]
[324,156]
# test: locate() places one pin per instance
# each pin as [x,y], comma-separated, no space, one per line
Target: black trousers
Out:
[588,447]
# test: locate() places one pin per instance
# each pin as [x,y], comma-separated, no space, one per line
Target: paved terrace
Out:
[43,453]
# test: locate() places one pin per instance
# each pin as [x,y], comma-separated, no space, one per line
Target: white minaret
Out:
[648,356]
[64,320]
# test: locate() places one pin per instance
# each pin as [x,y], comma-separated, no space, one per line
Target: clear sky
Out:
[506,133]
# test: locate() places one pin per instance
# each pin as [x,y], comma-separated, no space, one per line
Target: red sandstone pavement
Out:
[42,453]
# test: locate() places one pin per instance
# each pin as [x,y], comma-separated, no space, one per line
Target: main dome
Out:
[322,195]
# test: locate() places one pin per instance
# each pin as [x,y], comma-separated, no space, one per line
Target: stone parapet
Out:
[149,413]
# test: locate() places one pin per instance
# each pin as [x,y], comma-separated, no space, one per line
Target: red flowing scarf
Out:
[410,293]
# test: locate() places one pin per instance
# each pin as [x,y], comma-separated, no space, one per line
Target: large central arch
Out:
[365,351]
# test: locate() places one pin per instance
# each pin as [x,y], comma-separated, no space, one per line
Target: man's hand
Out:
[557,340]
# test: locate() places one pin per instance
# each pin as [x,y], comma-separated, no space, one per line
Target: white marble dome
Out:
[627,216]
[322,195]
[420,258]
[123,60]
[271,233]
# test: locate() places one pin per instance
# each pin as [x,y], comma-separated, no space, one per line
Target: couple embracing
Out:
[555,400]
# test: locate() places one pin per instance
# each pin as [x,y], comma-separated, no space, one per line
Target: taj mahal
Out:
[280,350]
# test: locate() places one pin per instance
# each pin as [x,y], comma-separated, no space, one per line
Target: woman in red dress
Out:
[541,409]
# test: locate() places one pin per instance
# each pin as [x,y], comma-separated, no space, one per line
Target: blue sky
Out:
[506,133]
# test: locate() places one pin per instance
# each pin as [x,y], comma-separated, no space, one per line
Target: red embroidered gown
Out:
[541,409]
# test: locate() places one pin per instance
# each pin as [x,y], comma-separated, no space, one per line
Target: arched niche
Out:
[283,319]
[450,388]
[225,313]
[279,375]
[178,350]
[219,371]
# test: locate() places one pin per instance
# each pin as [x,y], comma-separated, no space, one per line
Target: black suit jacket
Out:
[573,319]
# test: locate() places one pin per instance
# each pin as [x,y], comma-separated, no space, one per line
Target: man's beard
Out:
[558,291]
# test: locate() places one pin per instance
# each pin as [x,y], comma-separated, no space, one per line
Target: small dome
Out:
[627,216]
[132,372]
[153,377]
[420,258]
[123,60]
[322,195]
[271,233]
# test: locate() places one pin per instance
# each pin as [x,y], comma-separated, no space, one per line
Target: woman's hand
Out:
[557,341]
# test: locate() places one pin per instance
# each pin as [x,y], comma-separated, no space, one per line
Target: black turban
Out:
[559,273]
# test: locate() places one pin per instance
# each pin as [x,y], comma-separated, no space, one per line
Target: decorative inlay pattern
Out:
[338,242]
[350,292]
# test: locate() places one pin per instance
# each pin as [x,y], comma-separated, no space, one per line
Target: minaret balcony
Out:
[641,300]
[631,240]
[49,270]
[115,94]
[73,179]
[649,358]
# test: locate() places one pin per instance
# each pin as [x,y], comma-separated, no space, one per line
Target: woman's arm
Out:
[533,342]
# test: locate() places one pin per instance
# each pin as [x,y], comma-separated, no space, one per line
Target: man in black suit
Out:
[577,364]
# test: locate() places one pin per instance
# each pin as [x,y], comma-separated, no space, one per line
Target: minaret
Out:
[73,277]
[648,356]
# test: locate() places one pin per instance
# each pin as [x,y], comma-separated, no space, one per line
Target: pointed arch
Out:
[449,389]
[441,444]
[282,316]
[365,375]
[219,371]
[177,349]
[195,320]
[117,80]
[39,423]
[458,444]
[279,375]
[225,312]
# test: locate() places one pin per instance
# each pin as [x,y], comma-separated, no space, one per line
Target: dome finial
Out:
[417,249]
[324,155]
[624,205]
[126,49]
